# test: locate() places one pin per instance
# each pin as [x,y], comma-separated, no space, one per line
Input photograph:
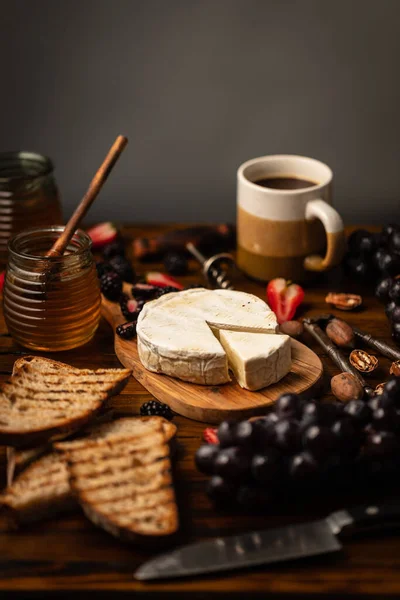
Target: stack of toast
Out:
[60,456]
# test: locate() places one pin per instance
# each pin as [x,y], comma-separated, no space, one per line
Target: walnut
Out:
[340,333]
[346,387]
[362,361]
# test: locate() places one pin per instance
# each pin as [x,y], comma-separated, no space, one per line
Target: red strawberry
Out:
[210,435]
[2,277]
[284,297]
[102,234]
[162,280]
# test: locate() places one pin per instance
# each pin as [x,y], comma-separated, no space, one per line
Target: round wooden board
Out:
[212,404]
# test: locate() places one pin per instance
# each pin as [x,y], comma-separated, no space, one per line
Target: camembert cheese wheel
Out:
[198,335]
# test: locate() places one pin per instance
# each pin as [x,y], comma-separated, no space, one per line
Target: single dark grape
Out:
[205,458]
[385,419]
[226,433]
[387,263]
[389,308]
[383,443]
[270,418]
[310,416]
[394,242]
[347,436]
[264,467]
[265,434]
[288,406]
[358,266]
[302,466]
[322,414]
[383,288]
[288,438]
[396,332]
[232,463]
[392,387]
[245,433]
[319,440]
[394,293]
[395,316]
[220,491]
[361,242]
[383,400]
[387,232]
[359,412]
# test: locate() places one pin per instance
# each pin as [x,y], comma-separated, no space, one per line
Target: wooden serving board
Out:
[212,404]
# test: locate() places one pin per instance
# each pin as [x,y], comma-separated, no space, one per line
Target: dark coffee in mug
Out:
[285,183]
[286,226]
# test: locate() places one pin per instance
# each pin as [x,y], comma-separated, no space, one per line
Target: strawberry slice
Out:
[284,298]
[162,280]
[210,435]
[2,277]
[102,234]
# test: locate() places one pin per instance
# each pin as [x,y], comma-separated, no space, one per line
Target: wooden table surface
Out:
[68,557]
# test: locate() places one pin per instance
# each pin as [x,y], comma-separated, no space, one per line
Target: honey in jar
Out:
[28,195]
[51,303]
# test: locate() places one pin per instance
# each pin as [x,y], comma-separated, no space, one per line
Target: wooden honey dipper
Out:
[94,188]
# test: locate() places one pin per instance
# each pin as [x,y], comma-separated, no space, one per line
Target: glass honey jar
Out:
[28,195]
[51,303]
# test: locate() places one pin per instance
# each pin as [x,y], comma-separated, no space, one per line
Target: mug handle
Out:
[335,236]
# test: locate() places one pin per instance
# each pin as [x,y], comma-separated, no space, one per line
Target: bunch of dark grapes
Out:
[388,292]
[301,445]
[373,256]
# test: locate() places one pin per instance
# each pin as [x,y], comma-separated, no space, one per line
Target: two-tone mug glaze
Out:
[287,232]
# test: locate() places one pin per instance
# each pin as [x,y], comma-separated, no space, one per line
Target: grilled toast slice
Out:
[43,488]
[124,485]
[43,401]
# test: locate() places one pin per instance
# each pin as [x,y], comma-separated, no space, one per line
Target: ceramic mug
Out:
[287,233]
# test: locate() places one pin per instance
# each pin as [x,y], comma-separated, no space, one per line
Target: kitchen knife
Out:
[270,545]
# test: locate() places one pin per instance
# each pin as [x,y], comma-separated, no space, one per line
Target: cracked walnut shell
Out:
[362,361]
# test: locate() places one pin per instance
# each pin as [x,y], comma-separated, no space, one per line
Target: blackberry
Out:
[123,267]
[115,248]
[165,290]
[130,308]
[126,331]
[159,409]
[111,285]
[102,267]
[176,263]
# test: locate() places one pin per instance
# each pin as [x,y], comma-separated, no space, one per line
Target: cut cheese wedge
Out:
[178,335]
[256,359]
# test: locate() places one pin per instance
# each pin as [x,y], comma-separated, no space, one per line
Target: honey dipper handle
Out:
[94,188]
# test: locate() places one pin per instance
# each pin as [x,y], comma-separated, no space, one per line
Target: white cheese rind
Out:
[175,337]
[257,359]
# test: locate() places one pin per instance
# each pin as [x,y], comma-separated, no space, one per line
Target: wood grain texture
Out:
[69,558]
[214,403]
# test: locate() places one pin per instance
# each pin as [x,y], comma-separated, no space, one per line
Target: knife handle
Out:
[365,519]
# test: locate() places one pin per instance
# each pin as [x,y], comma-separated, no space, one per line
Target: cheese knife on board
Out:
[271,545]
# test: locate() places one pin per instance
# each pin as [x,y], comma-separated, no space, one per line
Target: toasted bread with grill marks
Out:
[46,400]
[26,501]
[124,485]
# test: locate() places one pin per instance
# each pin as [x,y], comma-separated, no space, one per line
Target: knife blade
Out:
[269,546]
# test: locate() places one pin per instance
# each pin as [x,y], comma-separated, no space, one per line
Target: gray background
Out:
[199,86]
